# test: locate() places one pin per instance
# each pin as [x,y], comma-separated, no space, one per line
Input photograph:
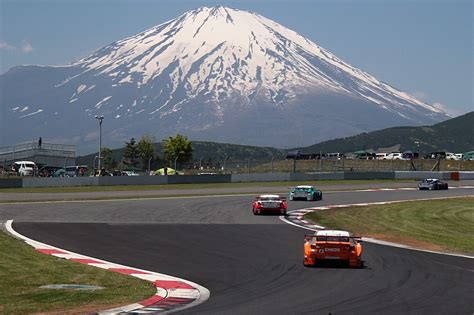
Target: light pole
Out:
[224,164]
[93,165]
[100,118]
[149,165]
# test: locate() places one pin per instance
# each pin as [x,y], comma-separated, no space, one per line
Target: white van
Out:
[452,156]
[24,168]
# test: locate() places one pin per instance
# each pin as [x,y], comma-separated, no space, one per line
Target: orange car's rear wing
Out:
[310,237]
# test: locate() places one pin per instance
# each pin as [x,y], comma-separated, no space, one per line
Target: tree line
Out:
[142,154]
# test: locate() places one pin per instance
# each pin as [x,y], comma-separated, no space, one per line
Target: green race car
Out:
[305,192]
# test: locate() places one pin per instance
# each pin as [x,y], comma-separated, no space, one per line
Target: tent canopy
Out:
[161,171]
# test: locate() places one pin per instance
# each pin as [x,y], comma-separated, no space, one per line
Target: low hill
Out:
[209,152]
[453,135]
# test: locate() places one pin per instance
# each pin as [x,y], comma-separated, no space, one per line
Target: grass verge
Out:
[23,271]
[195,186]
[435,224]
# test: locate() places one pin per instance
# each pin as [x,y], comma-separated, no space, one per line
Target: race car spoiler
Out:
[281,197]
[335,238]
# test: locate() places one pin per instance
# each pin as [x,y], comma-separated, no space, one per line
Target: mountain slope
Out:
[212,73]
[453,135]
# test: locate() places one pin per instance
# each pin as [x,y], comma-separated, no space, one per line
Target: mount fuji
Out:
[216,74]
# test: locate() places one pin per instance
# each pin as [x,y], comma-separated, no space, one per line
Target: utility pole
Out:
[100,119]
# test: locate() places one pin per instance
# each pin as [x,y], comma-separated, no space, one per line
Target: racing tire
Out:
[291,198]
[254,211]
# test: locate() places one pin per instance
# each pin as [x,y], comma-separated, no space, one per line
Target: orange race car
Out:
[327,245]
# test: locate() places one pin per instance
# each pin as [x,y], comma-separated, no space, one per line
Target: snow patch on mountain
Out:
[225,52]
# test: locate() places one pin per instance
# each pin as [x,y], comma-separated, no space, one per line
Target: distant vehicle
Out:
[59,173]
[298,155]
[452,156]
[119,173]
[335,156]
[381,156]
[436,155]
[468,156]
[102,172]
[305,192]
[269,203]
[332,245]
[76,170]
[24,168]
[395,156]
[409,155]
[363,155]
[460,156]
[432,184]
[131,173]
[293,155]
[47,171]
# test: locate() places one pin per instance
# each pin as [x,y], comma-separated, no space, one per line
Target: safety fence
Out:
[325,165]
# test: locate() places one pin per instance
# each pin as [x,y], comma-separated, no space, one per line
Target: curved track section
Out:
[252,263]
[258,268]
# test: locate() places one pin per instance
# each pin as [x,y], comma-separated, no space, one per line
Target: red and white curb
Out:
[296,218]
[172,294]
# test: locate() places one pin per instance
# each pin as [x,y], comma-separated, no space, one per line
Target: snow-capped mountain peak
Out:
[210,73]
[222,50]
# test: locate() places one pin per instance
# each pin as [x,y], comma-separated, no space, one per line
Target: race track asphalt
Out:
[253,264]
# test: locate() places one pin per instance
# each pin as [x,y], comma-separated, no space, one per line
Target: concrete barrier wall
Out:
[422,175]
[132,180]
[466,175]
[260,177]
[199,179]
[284,177]
[369,175]
[226,178]
[316,176]
[11,183]
[60,181]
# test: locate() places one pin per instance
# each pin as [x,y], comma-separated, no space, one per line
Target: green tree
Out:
[146,150]
[178,147]
[130,152]
[106,155]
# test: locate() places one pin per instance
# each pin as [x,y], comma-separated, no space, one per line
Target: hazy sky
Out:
[423,47]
